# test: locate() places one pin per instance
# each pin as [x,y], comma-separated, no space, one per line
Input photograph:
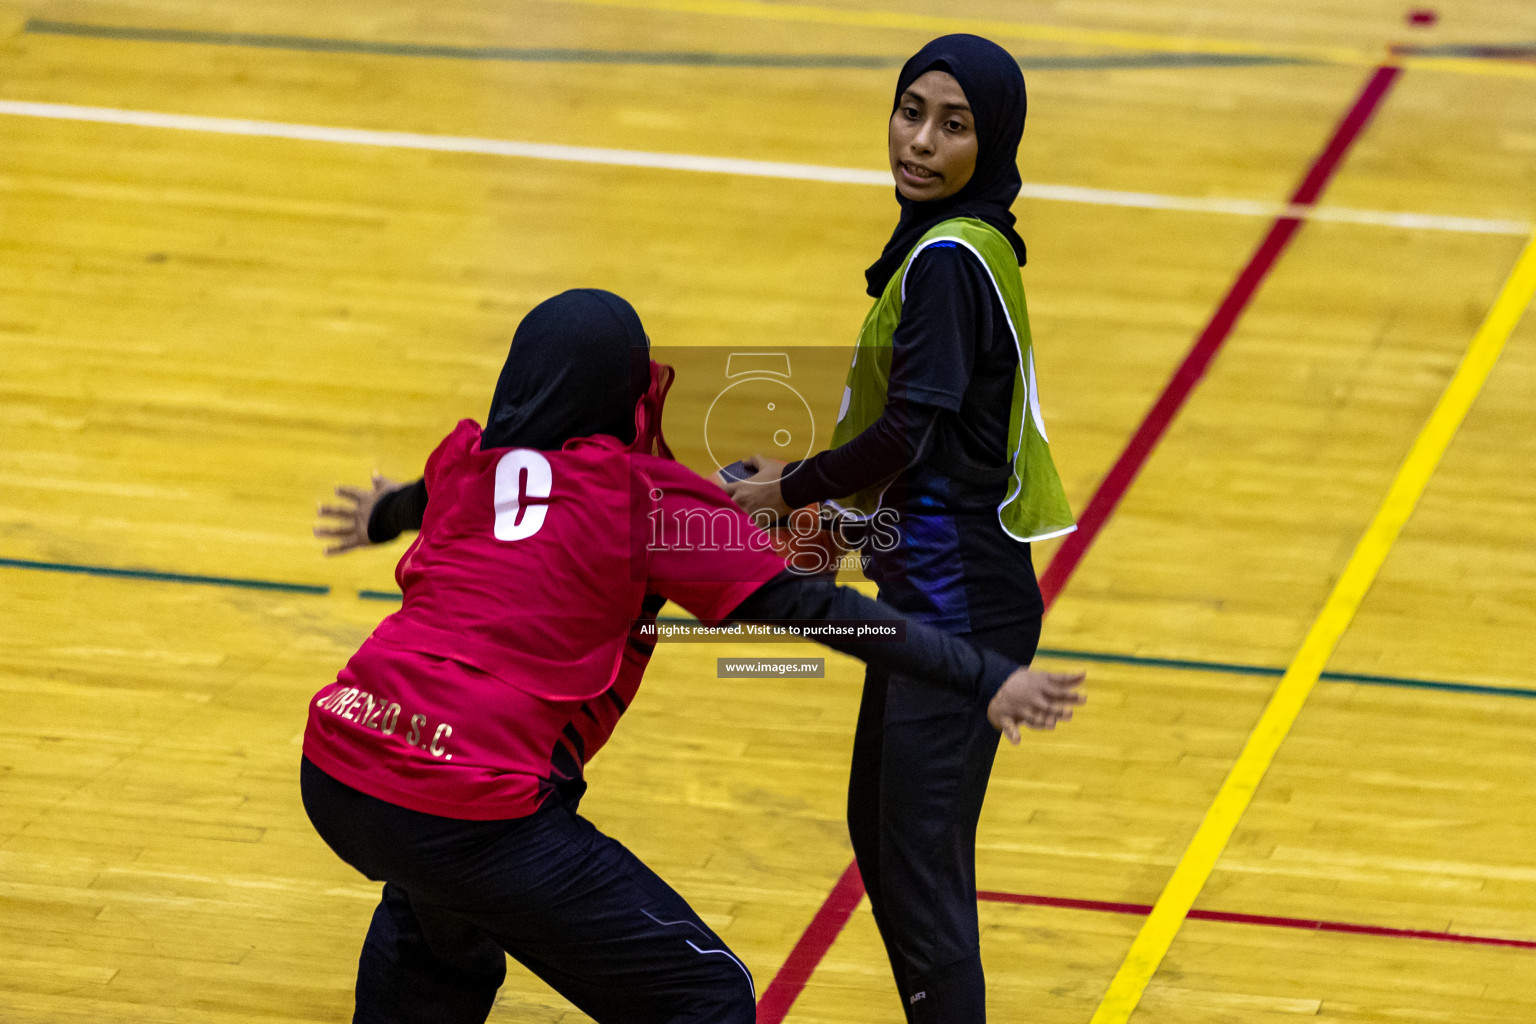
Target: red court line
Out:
[830,920]
[818,937]
[1114,485]
[1305,924]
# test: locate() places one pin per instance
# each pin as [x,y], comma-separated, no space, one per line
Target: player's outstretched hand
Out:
[1035,699]
[345,525]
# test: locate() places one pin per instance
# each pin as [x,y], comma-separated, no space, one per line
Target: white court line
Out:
[730,165]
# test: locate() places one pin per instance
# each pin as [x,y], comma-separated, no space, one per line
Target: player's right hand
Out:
[1037,700]
[346,525]
[759,493]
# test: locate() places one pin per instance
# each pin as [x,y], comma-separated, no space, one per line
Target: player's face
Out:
[932,139]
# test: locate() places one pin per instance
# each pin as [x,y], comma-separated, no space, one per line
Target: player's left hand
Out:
[760,492]
[346,525]
[1037,700]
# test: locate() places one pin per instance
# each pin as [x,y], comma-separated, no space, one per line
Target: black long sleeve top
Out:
[790,597]
[950,391]
[924,652]
[397,511]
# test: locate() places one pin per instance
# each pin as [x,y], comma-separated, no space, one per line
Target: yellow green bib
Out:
[1035,506]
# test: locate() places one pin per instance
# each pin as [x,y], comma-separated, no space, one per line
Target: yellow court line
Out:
[1190,875]
[1143,41]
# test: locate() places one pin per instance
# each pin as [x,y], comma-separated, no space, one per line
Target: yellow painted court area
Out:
[1310,624]
[1296,686]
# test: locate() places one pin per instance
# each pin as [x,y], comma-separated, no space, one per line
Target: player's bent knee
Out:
[731,1000]
[740,1008]
[737,1007]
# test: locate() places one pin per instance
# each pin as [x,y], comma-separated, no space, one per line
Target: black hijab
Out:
[994,87]
[579,364]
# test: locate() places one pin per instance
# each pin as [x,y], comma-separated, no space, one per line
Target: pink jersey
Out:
[518,645]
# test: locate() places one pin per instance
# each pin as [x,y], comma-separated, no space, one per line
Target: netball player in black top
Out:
[921,756]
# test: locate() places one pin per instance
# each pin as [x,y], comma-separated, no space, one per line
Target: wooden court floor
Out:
[219,295]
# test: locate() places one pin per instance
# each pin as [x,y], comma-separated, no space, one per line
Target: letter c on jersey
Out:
[523,481]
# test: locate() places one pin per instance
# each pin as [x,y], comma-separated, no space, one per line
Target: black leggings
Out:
[921,759]
[572,905]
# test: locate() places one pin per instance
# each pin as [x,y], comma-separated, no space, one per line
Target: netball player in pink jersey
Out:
[446,759]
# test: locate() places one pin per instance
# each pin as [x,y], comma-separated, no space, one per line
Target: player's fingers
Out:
[338,511]
[1042,703]
[753,462]
[1011,730]
[1063,682]
[1066,700]
[1063,694]
[355,493]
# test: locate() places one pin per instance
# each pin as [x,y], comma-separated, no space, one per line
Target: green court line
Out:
[1184,664]
[164,577]
[653,58]
[1132,61]
[1475,51]
[1101,657]
[1219,667]
[1230,668]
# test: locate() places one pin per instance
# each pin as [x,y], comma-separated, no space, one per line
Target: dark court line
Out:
[1228,917]
[1159,60]
[652,58]
[1226,667]
[164,577]
[1217,667]
[1426,684]
[1102,657]
[1475,51]
[1269,671]
[1185,664]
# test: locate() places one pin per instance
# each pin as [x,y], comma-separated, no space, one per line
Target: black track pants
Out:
[572,905]
[921,759]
